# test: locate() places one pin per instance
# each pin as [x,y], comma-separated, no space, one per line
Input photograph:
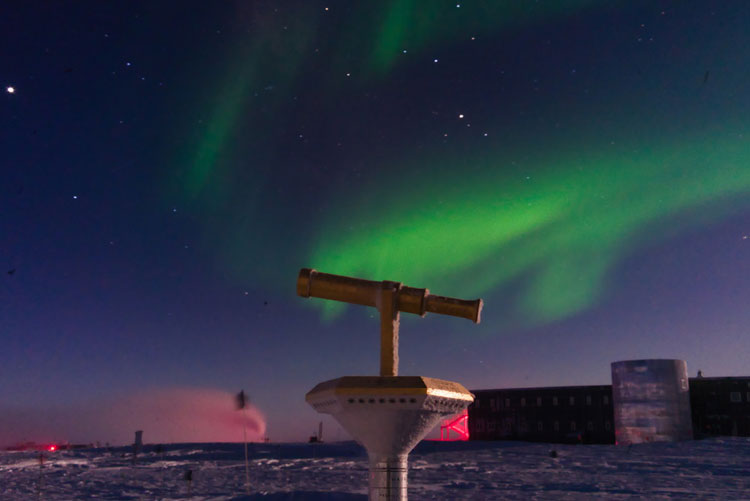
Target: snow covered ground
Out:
[708,469]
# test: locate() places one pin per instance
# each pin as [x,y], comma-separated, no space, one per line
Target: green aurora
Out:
[548,238]
[562,230]
[277,49]
[408,24]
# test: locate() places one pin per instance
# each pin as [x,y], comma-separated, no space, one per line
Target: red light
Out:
[458,424]
[52,448]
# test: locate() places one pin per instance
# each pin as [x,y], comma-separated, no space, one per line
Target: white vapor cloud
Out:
[166,415]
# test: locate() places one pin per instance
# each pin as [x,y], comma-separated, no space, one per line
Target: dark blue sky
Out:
[168,169]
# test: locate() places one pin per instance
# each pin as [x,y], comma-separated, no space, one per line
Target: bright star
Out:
[11,90]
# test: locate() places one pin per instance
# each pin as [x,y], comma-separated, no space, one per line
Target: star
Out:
[11,90]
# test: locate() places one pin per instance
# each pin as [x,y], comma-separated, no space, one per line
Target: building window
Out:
[748,396]
[539,426]
[605,400]
[554,400]
[607,425]
[556,425]
[477,403]
[572,426]
[588,399]
[490,426]
[735,396]
[572,400]
[523,402]
[538,401]
[507,402]
[590,426]
[480,425]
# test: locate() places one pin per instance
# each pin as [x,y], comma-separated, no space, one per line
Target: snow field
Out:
[708,469]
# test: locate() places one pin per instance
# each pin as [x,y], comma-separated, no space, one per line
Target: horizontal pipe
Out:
[312,283]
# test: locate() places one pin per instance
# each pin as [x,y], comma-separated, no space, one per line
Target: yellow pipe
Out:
[390,298]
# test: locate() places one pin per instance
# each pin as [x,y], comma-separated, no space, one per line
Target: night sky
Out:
[168,167]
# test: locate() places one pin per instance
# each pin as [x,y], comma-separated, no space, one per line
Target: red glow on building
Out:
[458,424]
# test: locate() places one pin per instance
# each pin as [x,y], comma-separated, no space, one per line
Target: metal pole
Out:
[244,435]
[388,478]
[41,475]
[389,318]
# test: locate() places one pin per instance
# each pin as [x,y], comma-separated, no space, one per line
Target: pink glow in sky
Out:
[166,415]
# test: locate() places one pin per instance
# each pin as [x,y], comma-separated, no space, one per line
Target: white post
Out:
[41,475]
[388,477]
[247,465]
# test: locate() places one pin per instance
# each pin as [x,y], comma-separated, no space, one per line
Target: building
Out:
[566,414]
[585,414]
[720,406]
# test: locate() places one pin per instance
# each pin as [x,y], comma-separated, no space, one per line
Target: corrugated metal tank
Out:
[651,401]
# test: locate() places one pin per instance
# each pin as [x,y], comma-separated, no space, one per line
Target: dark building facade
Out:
[720,406]
[565,414]
[585,414]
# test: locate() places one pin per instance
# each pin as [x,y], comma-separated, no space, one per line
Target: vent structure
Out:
[388,414]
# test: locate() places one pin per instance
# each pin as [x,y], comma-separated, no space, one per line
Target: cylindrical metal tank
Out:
[651,401]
